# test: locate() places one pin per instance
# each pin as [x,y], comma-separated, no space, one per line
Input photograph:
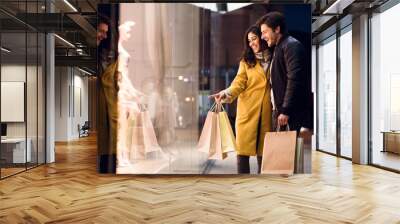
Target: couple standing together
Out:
[273,87]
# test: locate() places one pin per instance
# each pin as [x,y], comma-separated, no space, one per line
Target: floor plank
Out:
[71,191]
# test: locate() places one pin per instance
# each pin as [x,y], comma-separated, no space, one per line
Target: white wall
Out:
[16,73]
[62,82]
[71,94]
[33,127]
[12,73]
[80,111]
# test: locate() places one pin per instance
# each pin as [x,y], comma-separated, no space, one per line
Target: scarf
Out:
[264,58]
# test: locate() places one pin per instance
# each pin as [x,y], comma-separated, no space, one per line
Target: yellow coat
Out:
[253,90]
[109,87]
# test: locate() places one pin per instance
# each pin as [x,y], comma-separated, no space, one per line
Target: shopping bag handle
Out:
[278,128]
[220,108]
[217,107]
[142,107]
[212,107]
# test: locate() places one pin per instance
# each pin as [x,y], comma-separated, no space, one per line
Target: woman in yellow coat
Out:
[252,88]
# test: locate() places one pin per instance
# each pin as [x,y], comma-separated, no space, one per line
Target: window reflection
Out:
[385,85]
[175,57]
[346,94]
[327,96]
[23,84]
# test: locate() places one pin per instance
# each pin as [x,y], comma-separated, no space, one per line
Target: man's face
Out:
[269,35]
[102,30]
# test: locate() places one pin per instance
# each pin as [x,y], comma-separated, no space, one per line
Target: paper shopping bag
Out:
[279,153]
[150,139]
[144,138]
[204,143]
[227,137]
[216,152]
[210,141]
[299,156]
[306,135]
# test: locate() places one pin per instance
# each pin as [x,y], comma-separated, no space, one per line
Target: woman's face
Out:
[254,42]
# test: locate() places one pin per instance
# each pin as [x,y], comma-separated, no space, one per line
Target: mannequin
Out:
[129,97]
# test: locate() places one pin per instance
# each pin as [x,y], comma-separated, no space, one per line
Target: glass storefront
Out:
[175,56]
[327,95]
[345,59]
[22,79]
[334,63]
[385,89]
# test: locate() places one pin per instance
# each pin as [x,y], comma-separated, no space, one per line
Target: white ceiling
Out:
[213,6]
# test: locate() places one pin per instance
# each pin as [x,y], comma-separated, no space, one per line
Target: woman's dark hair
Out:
[248,55]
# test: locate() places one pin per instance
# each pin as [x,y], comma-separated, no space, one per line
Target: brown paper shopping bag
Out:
[216,152]
[279,153]
[227,137]
[204,143]
[305,145]
[212,140]
[144,138]
[299,156]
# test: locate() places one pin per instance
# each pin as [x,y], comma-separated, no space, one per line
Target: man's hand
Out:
[283,119]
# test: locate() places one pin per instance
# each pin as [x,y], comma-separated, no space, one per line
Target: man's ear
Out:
[278,29]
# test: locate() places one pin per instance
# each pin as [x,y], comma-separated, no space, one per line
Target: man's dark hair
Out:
[273,20]
[102,19]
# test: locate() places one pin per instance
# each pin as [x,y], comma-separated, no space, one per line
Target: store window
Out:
[327,96]
[346,92]
[22,101]
[385,89]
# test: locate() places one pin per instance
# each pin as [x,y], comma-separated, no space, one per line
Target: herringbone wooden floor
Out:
[70,191]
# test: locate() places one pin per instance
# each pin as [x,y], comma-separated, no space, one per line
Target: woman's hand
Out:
[219,96]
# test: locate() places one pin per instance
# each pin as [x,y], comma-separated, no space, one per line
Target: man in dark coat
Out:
[290,76]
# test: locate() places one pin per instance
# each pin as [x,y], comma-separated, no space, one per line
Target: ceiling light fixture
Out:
[234,6]
[65,41]
[337,7]
[221,7]
[330,8]
[5,50]
[70,5]
[210,6]
[84,71]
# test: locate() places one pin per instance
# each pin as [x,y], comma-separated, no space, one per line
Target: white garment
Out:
[270,81]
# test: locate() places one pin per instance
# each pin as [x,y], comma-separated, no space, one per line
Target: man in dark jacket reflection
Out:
[290,76]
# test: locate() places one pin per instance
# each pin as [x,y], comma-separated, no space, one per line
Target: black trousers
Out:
[243,164]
